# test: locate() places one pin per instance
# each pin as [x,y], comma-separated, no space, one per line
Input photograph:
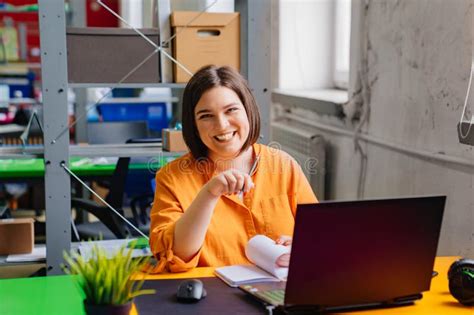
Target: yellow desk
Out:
[58,295]
[437,301]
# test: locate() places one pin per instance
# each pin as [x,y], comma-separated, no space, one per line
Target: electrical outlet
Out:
[466,132]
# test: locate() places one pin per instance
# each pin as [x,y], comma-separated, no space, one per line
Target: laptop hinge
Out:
[406,299]
[301,309]
[311,309]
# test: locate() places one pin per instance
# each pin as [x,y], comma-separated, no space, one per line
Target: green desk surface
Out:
[31,168]
[44,295]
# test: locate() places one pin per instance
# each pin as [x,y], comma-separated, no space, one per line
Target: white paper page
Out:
[263,252]
[240,274]
[38,254]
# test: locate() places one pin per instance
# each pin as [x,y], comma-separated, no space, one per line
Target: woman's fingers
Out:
[231,182]
[284,240]
[240,182]
[237,182]
[283,260]
[248,183]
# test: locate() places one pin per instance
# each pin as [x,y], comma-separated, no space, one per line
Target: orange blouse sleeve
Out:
[165,212]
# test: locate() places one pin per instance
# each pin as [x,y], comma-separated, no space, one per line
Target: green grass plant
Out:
[107,280]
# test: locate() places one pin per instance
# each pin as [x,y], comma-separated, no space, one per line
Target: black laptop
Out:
[354,254]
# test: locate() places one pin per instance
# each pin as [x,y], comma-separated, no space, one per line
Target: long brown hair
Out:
[205,79]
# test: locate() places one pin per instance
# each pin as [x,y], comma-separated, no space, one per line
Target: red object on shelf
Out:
[98,16]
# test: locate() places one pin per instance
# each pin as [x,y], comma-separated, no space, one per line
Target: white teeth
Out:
[225,137]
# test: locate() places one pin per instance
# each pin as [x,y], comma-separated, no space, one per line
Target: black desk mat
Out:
[221,299]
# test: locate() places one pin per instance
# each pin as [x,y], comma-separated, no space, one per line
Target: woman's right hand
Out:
[229,182]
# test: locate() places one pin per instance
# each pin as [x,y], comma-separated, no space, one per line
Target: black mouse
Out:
[191,291]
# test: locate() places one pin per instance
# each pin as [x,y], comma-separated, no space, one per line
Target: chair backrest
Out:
[116,195]
[117,183]
[116,132]
[115,198]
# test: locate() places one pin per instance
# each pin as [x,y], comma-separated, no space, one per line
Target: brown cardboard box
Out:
[212,38]
[173,140]
[107,54]
[17,236]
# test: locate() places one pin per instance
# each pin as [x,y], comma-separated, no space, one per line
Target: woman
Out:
[211,201]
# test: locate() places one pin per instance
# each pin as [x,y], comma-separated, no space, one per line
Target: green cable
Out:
[468,272]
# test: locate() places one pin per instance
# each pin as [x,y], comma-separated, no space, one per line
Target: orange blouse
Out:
[269,208]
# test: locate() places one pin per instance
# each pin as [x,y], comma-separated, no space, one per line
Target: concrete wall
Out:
[418,58]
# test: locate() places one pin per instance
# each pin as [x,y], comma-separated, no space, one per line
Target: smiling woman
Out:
[200,105]
[210,202]
[222,123]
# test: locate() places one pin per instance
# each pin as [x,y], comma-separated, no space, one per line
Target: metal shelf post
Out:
[255,55]
[52,22]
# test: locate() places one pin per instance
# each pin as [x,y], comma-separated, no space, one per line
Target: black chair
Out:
[141,207]
[110,225]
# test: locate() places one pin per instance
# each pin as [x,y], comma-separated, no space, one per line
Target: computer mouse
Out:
[191,291]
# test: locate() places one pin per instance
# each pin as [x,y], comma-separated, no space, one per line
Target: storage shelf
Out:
[19,101]
[126,85]
[254,43]
[93,150]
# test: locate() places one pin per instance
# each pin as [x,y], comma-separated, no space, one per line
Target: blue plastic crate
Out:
[155,113]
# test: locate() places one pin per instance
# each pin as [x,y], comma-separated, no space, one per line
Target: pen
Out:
[252,169]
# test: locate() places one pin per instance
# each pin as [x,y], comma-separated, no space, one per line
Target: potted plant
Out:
[107,281]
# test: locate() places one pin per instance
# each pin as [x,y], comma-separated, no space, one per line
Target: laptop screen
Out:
[369,251]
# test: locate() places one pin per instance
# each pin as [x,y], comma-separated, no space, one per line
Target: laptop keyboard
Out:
[275,297]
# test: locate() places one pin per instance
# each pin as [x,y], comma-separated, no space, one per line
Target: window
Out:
[314,44]
[342,36]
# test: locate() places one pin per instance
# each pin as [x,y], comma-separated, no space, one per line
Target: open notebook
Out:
[263,252]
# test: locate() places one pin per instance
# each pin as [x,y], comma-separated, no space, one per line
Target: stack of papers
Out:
[111,247]
[38,254]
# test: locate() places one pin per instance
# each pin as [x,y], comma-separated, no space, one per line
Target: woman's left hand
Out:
[284,240]
[284,260]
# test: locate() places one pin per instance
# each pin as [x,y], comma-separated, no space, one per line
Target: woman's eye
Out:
[232,109]
[204,116]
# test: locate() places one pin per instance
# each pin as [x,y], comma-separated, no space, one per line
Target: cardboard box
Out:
[173,140]
[17,236]
[108,54]
[212,38]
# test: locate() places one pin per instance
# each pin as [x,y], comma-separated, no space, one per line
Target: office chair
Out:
[117,132]
[110,226]
[141,207]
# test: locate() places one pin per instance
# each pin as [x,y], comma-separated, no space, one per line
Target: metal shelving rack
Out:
[255,65]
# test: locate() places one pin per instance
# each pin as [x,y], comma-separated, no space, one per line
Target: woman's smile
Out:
[225,137]
[222,122]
